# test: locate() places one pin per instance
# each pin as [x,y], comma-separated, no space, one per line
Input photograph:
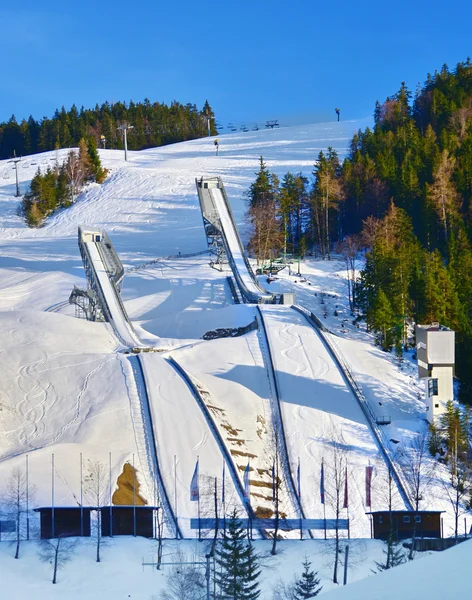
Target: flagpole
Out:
[322,492]
[300,499]
[198,483]
[223,499]
[346,502]
[175,496]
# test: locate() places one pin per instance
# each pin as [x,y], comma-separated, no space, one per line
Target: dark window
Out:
[406,519]
[432,387]
[417,519]
[380,519]
[436,406]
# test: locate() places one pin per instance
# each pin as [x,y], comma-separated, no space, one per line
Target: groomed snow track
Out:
[277,412]
[382,444]
[150,441]
[219,440]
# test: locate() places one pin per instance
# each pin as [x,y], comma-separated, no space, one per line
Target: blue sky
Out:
[254,60]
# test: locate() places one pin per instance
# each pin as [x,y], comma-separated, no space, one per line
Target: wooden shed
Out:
[128,520]
[64,521]
[405,524]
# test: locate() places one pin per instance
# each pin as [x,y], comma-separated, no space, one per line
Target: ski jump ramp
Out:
[225,243]
[105,273]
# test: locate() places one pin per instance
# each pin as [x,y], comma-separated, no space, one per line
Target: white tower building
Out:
[436,356]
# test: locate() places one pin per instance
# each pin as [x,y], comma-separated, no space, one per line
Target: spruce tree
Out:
[308,586]
[98,172]
[238,566]
[394,555]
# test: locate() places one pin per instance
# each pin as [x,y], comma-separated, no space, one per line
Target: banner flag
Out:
[194,487]
[246,481]
[368,485]
[298,480]
[322,488]
[346,492]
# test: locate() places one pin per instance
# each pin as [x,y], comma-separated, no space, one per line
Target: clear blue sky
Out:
[295,60]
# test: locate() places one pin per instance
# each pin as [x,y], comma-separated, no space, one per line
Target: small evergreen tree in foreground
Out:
[308,586]
[394,555]
[238,564]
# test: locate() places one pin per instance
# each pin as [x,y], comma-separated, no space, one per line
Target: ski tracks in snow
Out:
[78,400]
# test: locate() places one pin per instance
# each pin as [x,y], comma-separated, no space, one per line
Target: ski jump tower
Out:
[436,357]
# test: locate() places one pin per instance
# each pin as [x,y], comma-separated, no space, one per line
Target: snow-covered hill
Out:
[66,390]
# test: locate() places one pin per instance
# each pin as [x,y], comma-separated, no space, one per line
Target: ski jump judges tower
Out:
[225,244]
[435,356]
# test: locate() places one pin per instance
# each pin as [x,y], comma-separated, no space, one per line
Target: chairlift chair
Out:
[255,127]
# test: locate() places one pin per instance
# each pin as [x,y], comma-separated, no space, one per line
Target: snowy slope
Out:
[319,410]
[150,209]
[181,431]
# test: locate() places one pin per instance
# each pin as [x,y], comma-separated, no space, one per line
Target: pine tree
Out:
[308,586]
[238,572]
[98,172]
[382,320]
[394,554]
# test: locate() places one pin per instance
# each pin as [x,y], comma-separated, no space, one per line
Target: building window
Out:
[432,387]
[417,519]
[406,519]
[436,406]
[380,519]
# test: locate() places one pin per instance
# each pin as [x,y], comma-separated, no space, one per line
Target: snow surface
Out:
[66,388]
[318,410]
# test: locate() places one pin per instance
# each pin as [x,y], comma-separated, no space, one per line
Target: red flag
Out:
[368,485]
[346,492]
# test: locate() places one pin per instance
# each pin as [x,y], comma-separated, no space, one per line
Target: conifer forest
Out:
[403,196]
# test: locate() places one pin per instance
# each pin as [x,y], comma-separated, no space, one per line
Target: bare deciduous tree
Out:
[96,493]
[57,552]
[335,481]
[185,581]
[442,192]
[15,498]
[349,249]
[418,467]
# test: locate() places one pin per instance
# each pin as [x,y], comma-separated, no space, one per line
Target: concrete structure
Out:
[436,356]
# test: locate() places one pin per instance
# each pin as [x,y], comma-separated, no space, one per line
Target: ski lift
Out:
[244,128]
[234,128]
[6,174]
[255,127]
[25,165]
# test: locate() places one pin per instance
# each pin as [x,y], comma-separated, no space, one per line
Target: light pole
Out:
[124,128]
[15,162]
